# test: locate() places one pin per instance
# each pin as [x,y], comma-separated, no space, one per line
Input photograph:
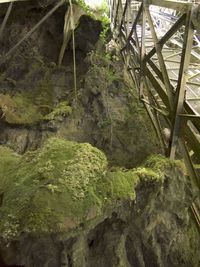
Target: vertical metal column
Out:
[181,86]
[142,52]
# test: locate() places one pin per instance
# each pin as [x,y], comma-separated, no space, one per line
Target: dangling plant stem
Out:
[74,49]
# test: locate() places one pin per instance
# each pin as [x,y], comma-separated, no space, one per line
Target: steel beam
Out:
[180,6]
[180,22]
[158,48]
[180,93]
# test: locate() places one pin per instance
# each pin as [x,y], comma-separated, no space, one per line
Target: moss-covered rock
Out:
[67,191]
[8,164]
[19,110]
[55,187]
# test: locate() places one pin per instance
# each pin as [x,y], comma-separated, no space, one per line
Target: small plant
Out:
[62,109]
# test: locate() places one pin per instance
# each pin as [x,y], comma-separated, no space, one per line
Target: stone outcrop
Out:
[33,89]
[72,210]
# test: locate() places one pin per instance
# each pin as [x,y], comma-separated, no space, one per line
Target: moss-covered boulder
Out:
[50,189]
[59,186]
[66,192]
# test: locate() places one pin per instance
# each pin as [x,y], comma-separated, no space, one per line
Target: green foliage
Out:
[62,109]
[104,123]
[85,7]
[101,72]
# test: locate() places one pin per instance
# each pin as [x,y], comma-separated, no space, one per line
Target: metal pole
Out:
[180,91]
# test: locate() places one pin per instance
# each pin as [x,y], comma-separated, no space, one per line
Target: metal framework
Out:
[160,45]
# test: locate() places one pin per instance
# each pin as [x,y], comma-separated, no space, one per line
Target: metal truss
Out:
[160,45]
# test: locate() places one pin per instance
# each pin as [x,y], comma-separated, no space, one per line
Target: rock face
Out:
[63,202]
[106,114]
[72,210]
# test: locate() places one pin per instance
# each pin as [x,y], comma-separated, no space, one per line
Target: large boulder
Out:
[62,206]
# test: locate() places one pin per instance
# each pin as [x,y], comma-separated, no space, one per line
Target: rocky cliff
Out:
[78,183]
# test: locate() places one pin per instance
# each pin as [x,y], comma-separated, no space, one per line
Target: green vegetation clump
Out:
[19,109]
[8,163]
[160,164]
[123,184]
[23,109]
[35,104]
[54,188]
[62,109]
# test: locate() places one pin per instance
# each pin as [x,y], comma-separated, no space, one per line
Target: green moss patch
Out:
[53,188]
[25,110]
[19,109]
[8,164]
[58,186]
[62,109]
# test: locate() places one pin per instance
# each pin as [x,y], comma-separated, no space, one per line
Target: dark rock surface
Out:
[105,114]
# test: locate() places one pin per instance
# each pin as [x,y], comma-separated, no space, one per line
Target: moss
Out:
[159,164]
[43,94]
[8,164]
[62,109]
[123,184]
[39,101]
[18,109]
[55,187]
[31,105]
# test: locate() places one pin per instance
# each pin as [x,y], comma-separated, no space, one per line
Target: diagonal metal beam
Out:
[135,21]
[116,13]
[158,87]
[160,59]
[142,53]
[124,13]
[180,22]
[180,6]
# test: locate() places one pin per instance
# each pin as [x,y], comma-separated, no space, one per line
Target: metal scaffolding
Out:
[160,44]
